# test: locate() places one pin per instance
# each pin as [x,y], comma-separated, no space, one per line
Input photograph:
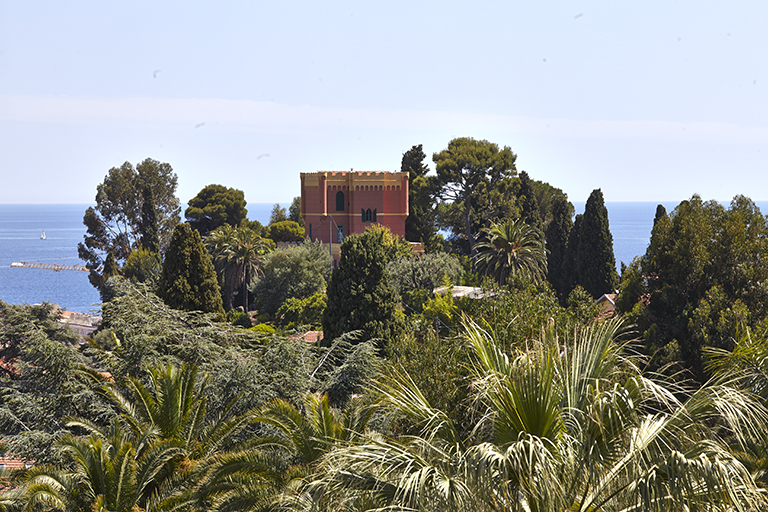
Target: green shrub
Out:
[309,311]
[265,328]
[240,318]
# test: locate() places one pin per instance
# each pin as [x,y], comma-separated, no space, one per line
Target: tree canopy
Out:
[296,272]
[360,294]
[215,206]
[115,224]
[188,279]
[512,249]
[420,224]
[474,176]
[595,262]
[286,231]
[702,280]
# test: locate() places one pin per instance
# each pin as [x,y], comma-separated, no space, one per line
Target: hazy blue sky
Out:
[651,100]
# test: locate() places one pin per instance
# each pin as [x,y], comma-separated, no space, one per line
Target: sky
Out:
[648,101]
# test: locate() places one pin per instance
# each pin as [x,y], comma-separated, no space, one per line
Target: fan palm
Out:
[512,249]
[569,425]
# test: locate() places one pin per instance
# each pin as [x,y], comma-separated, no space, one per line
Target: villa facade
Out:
[336,204]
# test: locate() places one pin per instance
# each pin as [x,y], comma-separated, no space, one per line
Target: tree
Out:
[360,294]
[143,266]
[150,239]
[297,272]
[238,253]
[469,171]
[513,249]
[529,205]
[557,235]
[188,279]
[214,206]
[595,262]
[115,223]
[145,457]
[286,231]
[420,224]
[565,425]
[702,280]
[415,277]
[39,380]
[277,214]
[294,212]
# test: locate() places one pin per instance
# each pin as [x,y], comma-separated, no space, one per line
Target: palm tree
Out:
[238,252]
[217,243]
[108,473]
[150,456]
[512,249]
[275,470]
[570,425]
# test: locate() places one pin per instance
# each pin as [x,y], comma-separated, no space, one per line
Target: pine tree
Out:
[595,262]
[188,280]
[557,235]
[360,294]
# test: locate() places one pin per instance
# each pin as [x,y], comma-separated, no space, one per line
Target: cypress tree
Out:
[110,270]
[558,231]
[188,279]
[148,224]
[661,212]
[595,262]
[529,205]
[360,294]
[420,224]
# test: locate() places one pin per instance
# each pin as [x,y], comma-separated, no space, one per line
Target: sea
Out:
[21,227]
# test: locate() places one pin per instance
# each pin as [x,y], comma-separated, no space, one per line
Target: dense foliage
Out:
[513,249]
[557,234]
[237,254]
[215,206]
[360,294]
[188,279]
[296,272]
[516,397]
[595,262]
[420,224]
[115,224]
[701,281]
[474,182]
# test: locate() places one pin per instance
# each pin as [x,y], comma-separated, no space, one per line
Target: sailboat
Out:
[42,236]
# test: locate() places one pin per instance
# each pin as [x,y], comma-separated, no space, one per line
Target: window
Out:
[339,201]
[367,215]
[374,215]
[310,231]
[339,234]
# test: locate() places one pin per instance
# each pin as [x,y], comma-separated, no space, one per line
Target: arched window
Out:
[374,215]
[339,201]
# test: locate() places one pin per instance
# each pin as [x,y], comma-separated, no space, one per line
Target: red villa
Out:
[335,204]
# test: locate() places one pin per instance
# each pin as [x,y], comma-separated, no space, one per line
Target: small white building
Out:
[83,324]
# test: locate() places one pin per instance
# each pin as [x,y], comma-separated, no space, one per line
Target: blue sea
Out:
[22,224]
[20,228]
